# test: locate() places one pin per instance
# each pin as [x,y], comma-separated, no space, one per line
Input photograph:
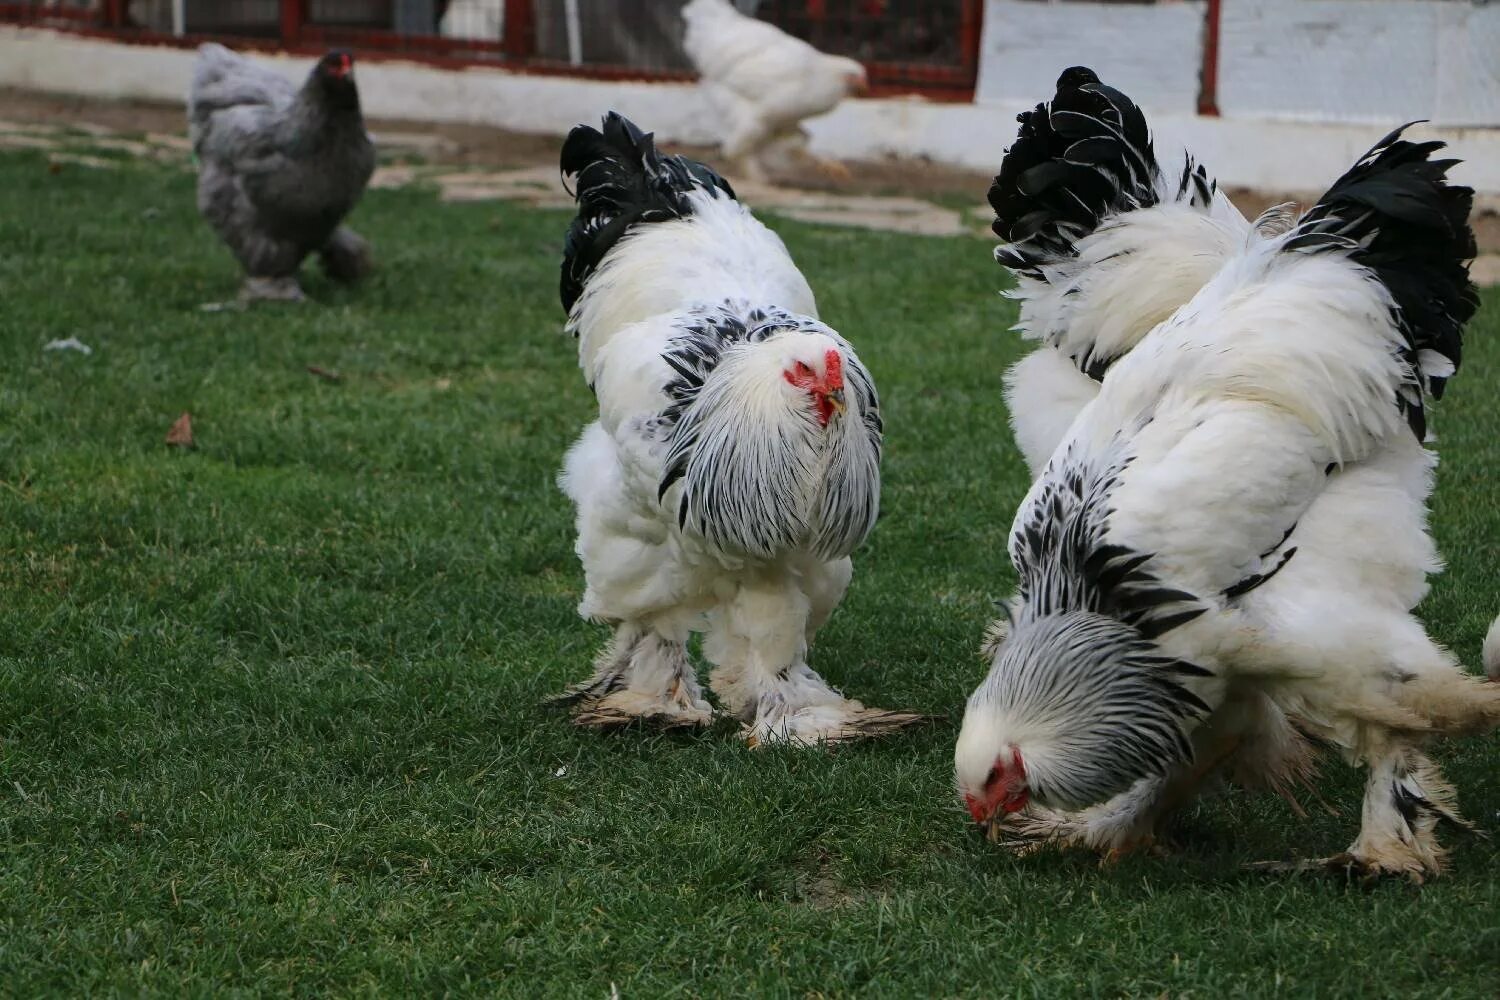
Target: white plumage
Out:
[1219,561]
[760,81]
[735,463]
[476,19]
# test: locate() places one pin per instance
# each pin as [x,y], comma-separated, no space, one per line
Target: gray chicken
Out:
[279,167]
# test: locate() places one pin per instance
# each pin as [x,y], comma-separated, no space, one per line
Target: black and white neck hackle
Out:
[621,181]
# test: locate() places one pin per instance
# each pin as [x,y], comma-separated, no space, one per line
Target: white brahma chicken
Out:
[762,82]
[1218,564]
[1103,246]
[482,20]
[735,464]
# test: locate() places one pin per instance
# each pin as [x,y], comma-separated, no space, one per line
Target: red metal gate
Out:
[908,46]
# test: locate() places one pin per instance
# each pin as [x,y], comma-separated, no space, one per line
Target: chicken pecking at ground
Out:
[762,83]
[735,464]
[1198,588]
[280,167]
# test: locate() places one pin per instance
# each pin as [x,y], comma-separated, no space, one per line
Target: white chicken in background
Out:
[1200,581]
[762,83]
[735,464]
[481,20]
[1103,246]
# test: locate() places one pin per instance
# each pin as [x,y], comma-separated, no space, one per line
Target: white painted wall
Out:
[1376,61]
[1153,53]
[1372,61]
[1280,156]
[38,59]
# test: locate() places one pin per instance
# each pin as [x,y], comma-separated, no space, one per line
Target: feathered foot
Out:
[799,708]
[778,723]
[833,170]
[1405,799]
[346,257]
[639,678]
[751,168]
[1347,865]
[284,289]
[1035,830]
[1126,824]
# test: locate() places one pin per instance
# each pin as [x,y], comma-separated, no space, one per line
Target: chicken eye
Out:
[803,371]
[995,775]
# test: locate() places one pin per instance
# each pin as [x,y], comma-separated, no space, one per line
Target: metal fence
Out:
[924,46]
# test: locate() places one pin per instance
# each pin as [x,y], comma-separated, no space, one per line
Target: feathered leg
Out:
[270,263]
[792,147]
[1124,824]
[1417,691]
[639,676]
[744,147]
[346,257]
[1405,798]
[758,643]
[644,673]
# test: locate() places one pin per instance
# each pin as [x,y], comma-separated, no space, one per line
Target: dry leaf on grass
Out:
[324,373]
[181,434]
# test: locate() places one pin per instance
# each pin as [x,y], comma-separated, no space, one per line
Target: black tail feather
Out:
[1395,213]
[621,180]
[1083,156]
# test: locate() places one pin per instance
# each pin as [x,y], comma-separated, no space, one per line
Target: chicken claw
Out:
[1351,867]
[835,171]
[600,715]
[638,679]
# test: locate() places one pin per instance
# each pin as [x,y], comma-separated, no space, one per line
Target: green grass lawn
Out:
[269,709]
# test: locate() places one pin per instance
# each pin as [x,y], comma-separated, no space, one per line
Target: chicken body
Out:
[280,167]
[1199,590]
[735,463]
[762,83]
